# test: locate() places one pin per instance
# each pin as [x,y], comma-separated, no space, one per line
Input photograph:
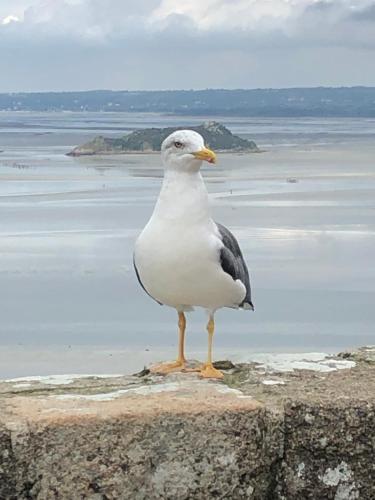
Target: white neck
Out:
[183,195]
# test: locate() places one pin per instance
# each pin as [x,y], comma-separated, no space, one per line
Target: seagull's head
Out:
[185,150]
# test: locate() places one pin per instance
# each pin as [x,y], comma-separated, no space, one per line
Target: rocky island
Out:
[216,136]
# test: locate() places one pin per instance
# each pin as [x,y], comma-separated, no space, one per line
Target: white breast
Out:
[177,254]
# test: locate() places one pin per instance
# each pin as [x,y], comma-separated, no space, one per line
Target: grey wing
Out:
[233,263]
[140,282]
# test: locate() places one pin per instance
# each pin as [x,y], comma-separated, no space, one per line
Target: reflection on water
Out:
[68,225]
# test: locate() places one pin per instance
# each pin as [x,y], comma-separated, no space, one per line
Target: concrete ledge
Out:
[268,432]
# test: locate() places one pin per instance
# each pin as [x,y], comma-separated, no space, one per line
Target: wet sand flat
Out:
[303,210]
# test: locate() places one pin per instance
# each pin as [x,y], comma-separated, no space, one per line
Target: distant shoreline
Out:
[314,102]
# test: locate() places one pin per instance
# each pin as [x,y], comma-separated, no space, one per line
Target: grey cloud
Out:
[102,44]
[366,14]
[109,21]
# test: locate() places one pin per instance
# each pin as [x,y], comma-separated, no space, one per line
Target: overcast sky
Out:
[168,44]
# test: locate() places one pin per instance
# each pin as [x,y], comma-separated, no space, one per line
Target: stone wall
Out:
[265,433]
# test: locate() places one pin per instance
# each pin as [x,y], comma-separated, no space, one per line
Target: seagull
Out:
[182,258]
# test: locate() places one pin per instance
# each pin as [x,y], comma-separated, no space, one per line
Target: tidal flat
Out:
[303,211]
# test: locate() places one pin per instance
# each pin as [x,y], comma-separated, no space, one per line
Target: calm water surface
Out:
[68,226]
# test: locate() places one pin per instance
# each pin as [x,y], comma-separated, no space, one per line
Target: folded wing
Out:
[233,263]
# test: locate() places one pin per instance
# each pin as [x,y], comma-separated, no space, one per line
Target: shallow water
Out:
[68,225]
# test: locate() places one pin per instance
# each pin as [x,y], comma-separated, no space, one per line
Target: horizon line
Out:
[237,89]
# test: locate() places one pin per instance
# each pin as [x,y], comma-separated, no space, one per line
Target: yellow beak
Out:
[205,154]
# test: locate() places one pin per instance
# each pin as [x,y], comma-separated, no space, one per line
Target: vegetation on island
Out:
[215,135]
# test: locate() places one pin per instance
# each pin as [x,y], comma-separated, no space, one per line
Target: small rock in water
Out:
[224,365]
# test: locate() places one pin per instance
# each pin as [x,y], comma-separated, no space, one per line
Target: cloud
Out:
[299,21]
[136,41]
[366,14]
[10,19]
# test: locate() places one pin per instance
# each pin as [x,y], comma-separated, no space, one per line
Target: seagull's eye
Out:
[178,145]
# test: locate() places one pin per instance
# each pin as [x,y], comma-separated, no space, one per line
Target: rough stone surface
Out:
[328,449]
[260,434]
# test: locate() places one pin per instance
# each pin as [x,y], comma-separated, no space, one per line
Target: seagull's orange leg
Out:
[208,370]
[180,362]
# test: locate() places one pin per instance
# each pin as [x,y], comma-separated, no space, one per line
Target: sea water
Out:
[303,211]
